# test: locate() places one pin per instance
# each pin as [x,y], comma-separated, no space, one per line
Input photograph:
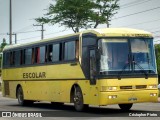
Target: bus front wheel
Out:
[125,107]
[78,100]
[20,97]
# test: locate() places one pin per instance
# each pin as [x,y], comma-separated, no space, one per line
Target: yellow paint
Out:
[59,79]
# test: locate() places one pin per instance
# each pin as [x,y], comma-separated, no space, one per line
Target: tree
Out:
[3,44]
[157,51]
[70,13]
[78,14]
[105,9]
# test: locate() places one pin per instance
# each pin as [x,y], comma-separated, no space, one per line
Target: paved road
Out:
[67,111]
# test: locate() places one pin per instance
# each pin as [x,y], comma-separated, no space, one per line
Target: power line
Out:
[137,13]
[137,2]
[28,31]
[21,32]
[3,33]
[39,36]
[156,31]
[141,23]
[27,27]
[131,3]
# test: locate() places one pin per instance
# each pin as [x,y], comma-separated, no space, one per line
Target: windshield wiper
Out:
[125,66]
[123,69]
[142,70]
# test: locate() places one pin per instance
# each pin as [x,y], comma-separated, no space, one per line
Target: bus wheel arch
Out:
[77,98]
[125,107]
[20,96]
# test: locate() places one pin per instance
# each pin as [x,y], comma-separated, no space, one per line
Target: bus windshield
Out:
[129,56]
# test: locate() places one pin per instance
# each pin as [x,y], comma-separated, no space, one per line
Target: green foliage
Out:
[106,9]
[3,44]
[77,14]
[157,51]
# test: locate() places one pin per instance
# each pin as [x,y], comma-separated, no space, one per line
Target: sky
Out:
[138,14]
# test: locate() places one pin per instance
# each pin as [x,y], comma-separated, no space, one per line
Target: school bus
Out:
[94,67]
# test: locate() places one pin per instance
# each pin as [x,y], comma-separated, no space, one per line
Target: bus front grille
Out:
[125,87]
[141,86]
[133,87]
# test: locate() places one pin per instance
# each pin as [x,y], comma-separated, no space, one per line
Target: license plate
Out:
[132,99]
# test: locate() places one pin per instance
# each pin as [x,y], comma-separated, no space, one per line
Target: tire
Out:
[78,100]
[20,97]
[125,107]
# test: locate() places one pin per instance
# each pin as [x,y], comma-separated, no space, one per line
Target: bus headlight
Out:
[153,94]
[112,96]
[112,88]
[152,86]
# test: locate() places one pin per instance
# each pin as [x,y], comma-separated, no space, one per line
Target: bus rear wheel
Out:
[78,100]
[20,97]
[125,107]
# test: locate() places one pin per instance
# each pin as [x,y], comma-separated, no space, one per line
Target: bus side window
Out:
[22,57]
[70,53]
[37,55]
[11,58]
[56,53]
[49,53]
[33,55]
[42,54]
[77,49]
[17,58]
[28,56]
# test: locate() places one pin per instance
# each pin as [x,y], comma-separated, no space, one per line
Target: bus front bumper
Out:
[124,97]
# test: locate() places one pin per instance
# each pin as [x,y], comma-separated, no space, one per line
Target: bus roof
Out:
[103,32]
[119,32]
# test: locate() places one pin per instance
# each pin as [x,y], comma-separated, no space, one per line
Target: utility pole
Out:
[14,35]
[42,30]
[10,22]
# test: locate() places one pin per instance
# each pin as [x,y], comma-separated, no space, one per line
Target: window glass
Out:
[114,54]
[12,62]
[28,56]
[6,59]
[69,50]
[142,52]
[22,57]
[17,58]
[56,52]
[50,50]
[37,55]
[42,54]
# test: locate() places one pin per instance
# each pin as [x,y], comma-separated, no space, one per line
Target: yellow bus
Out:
[94,67]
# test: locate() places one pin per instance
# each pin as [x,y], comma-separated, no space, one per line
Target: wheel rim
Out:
[78,98]
[20,96]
